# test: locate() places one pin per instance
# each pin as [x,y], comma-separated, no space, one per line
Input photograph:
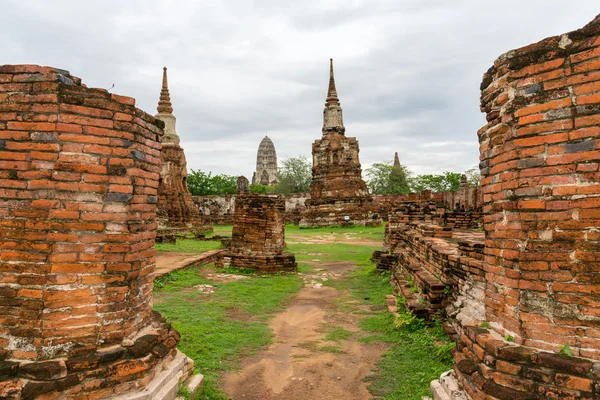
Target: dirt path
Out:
[297,366]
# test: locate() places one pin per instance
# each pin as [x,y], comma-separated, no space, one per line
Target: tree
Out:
[258,188]
[294,176]
[384,178]
[473,176]
[202,184]
[445,182]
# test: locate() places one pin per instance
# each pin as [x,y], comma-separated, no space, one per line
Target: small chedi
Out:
[339,195]
[79,170]
[176,209]
[266,163]
[258,237]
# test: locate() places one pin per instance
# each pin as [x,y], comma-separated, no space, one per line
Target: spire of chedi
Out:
[396,160]
[332,114]
[165,112]
[164,104]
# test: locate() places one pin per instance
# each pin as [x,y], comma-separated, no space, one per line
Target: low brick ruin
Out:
[79,172]
[338,194]
[219,209]
[176,209]
[258,237]
[530,287]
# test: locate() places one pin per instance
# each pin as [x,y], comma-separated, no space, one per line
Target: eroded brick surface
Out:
[79,173]
[258,237]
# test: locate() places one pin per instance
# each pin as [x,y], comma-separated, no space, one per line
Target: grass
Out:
[189,246]
[374,233]
[216,339]
[221,230]
[209,335]
[337,334]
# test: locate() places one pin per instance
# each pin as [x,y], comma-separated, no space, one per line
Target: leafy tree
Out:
[202,184]
[384,178]
[445,182]
[258,188]
[294,175]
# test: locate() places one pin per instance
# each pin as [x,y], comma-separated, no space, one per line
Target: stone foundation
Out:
[79,172]
[258,237]
[351,211]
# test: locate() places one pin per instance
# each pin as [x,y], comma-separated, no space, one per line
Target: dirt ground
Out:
[295,366]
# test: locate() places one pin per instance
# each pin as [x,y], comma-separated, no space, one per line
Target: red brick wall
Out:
[258,236]
[79,172]
[540,152]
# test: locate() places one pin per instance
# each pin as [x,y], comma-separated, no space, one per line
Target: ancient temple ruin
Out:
[338,193]
[266,163]
[258,236]
[79,170]
[176,208]
[523,297]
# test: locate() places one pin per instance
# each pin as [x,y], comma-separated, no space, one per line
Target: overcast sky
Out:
[407,71]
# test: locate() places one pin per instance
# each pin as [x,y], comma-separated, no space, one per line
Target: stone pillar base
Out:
[268,264]
[167,381]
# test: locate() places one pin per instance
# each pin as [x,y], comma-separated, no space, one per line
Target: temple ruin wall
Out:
[79,172]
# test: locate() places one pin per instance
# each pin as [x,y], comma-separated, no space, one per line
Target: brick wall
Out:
[78,185]
[258,236]
[540,152]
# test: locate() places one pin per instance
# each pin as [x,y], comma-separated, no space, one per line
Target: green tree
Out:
[258,188]
[294,175]
[445,182]
[384,178]
[203,184]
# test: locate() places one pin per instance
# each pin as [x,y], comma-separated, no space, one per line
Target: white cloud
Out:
[407,72]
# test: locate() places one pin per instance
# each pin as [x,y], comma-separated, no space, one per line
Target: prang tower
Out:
[338,193]
[266,163]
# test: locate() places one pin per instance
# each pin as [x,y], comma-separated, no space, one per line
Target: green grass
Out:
[374,233]
[189,246]
[222,230]
[337,334]
[209,335]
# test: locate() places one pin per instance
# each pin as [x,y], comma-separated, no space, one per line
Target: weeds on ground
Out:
[419,352]
[209,335]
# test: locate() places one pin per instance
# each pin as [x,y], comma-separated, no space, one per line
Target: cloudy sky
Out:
[407,71]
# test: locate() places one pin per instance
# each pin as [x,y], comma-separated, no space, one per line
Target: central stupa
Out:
[339,195]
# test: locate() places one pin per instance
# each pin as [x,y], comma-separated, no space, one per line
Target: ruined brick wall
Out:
[219,209]
[540,152]
[78,191]
[258,236]
[175,205]
[446,266]
[216,209]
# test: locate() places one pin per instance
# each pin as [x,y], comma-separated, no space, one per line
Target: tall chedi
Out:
[176,208]
[338,193]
